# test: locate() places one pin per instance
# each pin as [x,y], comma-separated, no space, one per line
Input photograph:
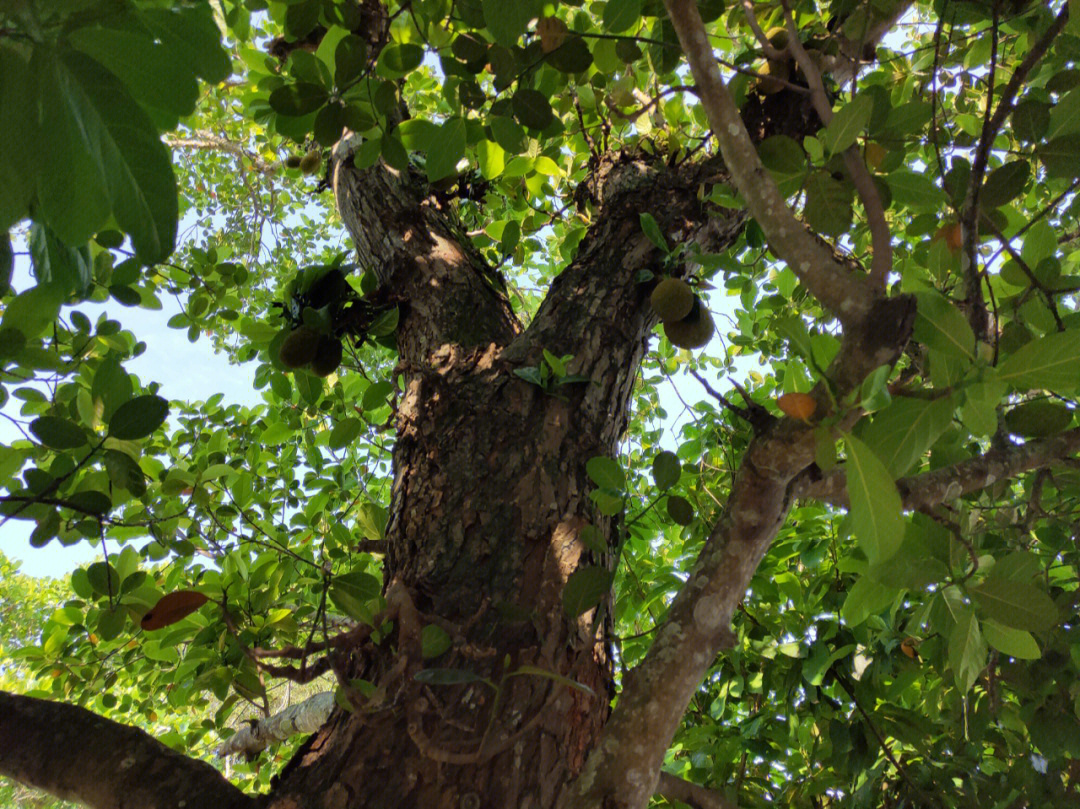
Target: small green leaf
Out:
[680,510]
[865,598]
[877,520]
[531,107]
[399,59]
[651,228]
[508,21]
[585,589]
[621,15]
[442,161]
[1012,642]
[434,641]
[967,650]
[828,207]
[124,472]
[345,432]
[298,99]
[58,433]
[915,190]
[1004,184]
[847,124]
[666,469]
[90,501]
[606,473]
[103,578]
[138,417]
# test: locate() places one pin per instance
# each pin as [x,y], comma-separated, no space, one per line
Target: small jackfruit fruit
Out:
[299,347]
[327,356]
[310,162]
[293,161]
[672,299]
[693,331]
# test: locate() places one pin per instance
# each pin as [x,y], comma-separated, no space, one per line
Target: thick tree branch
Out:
[304,717]
[209,142]
[921,492]
[698,797]
[77,755]
[847,296]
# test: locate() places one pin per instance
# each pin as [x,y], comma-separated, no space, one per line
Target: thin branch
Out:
[880,235]
[842,292]
[208,142]
[923,492]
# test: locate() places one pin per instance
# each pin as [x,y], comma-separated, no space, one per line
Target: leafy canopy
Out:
[946,637]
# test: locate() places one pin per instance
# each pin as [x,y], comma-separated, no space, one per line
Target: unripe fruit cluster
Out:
[306,347]
[687,321]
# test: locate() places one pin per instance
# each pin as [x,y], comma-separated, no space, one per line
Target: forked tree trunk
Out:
[490,496]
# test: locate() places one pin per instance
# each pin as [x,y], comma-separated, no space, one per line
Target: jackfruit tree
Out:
[810,541]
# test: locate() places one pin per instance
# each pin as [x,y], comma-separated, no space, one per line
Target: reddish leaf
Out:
[173,607]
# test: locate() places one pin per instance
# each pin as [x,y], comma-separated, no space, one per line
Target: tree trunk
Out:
[490,496]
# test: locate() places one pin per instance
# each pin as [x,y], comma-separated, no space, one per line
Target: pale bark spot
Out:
[707,612]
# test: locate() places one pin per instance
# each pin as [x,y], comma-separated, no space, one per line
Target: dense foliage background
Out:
[927,659]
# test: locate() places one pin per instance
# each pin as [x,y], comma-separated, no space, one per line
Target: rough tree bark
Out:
[490,497]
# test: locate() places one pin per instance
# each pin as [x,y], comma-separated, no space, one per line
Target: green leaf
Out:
[585,589]
[350,58]
[1012,642]
[536,671]
[73,195]
[680,510]
[1004,184]
[847,124]
[621,15]
[345,432]
[1018,604]
[606,473]
[508,21]
[876,517]
[90,501]
[124,472]
[137,166]
[865,598]
[1031,120]
[785,160]
[151,71]
[651,228]
[940,325]
[192,37]
[31,312]
[103,578]
[21,140]
[1051,362]
[138,417]
[399,59]
[1065,115]
[434,641]
[491,158]
[902,433]
[915,191]
[967,650]
[531,107]
[828,207]
[298,99]
[442,161]
[666,470]
[58,433]
[1061,156]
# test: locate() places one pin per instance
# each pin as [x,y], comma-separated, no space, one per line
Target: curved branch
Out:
[921,492]
[847,296]
[77,755]
[698,797]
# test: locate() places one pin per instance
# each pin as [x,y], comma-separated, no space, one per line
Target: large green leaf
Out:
[1051,362]
[828,204]
[151,72]
[442,161]
[1018,604]
[847,124]
[508,21]
[21,146]
[138,417]
[585,588]
[902,433]
[941,326]
[620,15]
[967,650]
[876,517]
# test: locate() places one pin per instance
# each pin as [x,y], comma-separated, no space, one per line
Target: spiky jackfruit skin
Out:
[672,299]
[293,161]
[299,347]
[693,331]
[327,356]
